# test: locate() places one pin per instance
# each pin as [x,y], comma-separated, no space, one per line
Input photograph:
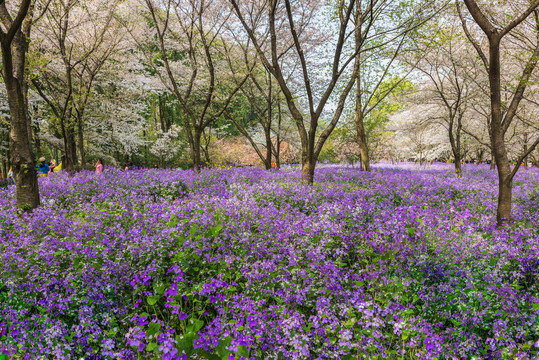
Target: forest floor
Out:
[401,262]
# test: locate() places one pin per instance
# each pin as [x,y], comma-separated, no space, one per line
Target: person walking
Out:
[43,167]
[52,165]
[99,166]
[10,176]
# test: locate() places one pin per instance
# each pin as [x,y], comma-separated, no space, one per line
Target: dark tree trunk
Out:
[455,146]
[82,153]
[206,148]
[269,144]
[278,153]
[162,114]
[360,127]
[267,126]
[14,45]
[308,162]
[3,169]
[498,144]
[278,137]
[525,150]
[307,171]
[362,143]
[70,150]
[458,167]
[479,156]
[195,151]
[504,199]
[22,160]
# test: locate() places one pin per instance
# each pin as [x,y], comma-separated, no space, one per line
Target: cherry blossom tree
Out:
[497,26]
[183,48]
[276,26]
[77,38]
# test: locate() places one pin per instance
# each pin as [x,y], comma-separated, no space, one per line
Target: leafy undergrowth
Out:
[248,264]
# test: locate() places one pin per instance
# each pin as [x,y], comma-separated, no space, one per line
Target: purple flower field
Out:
[399,263]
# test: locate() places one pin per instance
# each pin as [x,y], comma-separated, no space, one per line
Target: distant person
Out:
[10,176]
[99,166]
[52,166]
[126,167]
[43,167]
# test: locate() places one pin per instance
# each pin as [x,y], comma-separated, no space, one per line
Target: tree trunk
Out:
[162,113]
[458,167]
[206,148]
[525,150]
[479,157]
[195,151]
[307,170]
[14,51]
[27,191]
[504,199]
[69,148]
[360,128]
[455,149]
[492,161]
[269,145]
[278,153]
[278,138]
[3,170]
[81,143]
[498,144]
[267,127]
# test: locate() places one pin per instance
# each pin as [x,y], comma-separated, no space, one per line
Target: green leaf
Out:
[173,220]
[217,229]
[242,351]
[193,230]
[405,334]
[152,346]
[152,300]
[186,344]
[181,240]
[222,348]
[207,355]
[77,261]
[98,264]
[153,328]
[194,326]
[350,323]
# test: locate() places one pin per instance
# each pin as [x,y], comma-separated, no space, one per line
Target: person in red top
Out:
[99,166]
